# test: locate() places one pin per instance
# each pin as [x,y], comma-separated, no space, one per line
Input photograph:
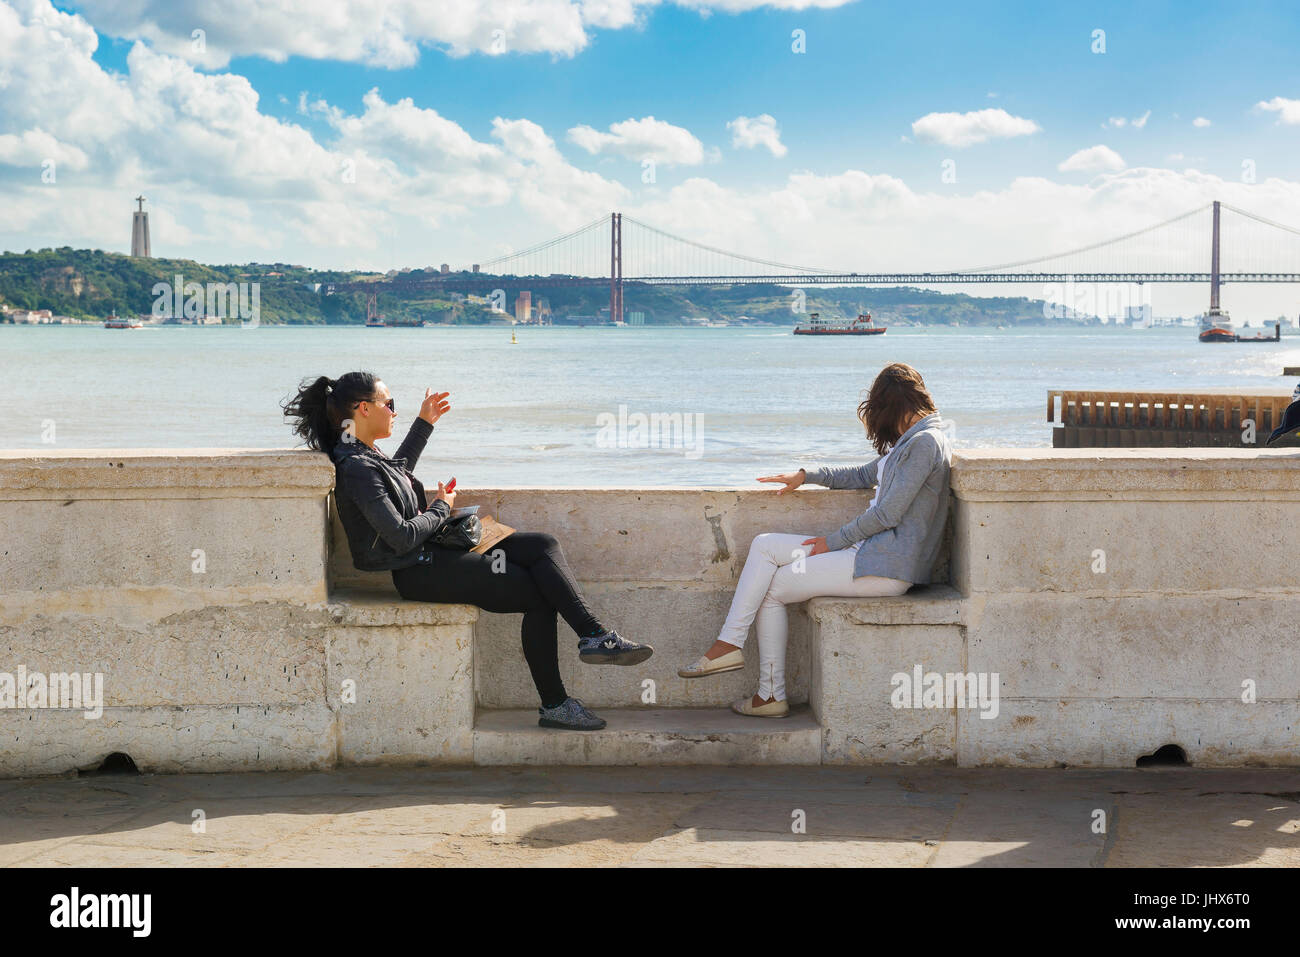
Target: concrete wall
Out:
[279,654]
[1197,604]
[195,583]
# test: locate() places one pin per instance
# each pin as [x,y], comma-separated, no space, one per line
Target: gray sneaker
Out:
[570,715]
[611,648]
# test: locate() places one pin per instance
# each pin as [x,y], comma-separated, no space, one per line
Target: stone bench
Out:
[399,677]
[656,717]
[858,645]
[845,716]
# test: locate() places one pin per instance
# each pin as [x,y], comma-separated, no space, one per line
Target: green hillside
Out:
[89,284]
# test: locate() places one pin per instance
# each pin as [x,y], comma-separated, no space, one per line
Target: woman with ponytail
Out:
[390,520]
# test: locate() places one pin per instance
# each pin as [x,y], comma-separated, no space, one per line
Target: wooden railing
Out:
[1094,418]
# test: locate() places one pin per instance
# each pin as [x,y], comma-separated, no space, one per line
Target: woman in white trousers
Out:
[881,553]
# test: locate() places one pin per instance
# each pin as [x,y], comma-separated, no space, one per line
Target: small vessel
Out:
[114,321]
[1217,334]
[1216,326]
[375,322]
[864,325]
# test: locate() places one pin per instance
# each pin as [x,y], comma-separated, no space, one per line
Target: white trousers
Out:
[774,577]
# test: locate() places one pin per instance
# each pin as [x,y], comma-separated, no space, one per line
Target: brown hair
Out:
[897,394]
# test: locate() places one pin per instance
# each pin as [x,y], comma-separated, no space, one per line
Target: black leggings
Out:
[536,580]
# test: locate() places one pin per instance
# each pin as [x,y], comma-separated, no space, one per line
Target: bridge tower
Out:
[615,267]
[1214,263]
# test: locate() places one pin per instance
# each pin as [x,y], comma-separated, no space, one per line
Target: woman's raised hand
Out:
[435,406]
[791,480]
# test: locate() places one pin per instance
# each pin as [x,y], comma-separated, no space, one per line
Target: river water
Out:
[561,407]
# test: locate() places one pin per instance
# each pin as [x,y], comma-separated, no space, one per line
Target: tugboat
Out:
[864,325]
[1216,326]
[114,321]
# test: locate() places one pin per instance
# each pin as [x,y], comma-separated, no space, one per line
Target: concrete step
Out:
[649,736]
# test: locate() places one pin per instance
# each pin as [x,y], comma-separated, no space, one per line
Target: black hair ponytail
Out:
[321,406]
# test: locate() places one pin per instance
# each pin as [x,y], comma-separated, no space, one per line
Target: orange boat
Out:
[1217,334]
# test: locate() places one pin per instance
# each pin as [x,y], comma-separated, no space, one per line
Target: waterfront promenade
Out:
[882,816]
[1091,608]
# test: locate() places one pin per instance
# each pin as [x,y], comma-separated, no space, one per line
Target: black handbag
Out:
[464,532]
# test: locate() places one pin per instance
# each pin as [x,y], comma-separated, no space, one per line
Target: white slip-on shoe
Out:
[731,661]
[773,709]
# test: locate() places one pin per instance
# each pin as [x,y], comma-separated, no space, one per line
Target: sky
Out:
[380,134]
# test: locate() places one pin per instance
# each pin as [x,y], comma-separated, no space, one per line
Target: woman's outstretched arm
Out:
[844,476]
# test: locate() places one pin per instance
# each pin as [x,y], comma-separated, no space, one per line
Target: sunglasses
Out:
[391,403]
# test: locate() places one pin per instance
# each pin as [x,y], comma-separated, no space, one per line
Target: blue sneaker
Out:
[570,715]
[611,648]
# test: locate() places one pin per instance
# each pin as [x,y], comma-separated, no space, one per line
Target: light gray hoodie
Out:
[901,533]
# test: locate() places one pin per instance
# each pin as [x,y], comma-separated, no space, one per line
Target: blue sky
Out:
[869,71]
[485,158]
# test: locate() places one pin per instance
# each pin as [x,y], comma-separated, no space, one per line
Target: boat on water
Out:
[114,321]
[864,325]
[1217,326]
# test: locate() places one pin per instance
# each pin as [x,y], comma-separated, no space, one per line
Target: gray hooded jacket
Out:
[902,532]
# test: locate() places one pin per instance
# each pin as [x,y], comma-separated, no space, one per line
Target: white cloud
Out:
[965,129]
[1200,121]
[382,33]
[35,147]
[643,139]
[748,132]
[217,169]
[1091,160]
[1288,111]
[1118,122]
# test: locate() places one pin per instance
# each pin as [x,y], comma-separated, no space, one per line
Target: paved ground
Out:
[427,817]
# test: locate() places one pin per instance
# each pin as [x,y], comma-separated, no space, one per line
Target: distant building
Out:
[1138,315]
[524,306]
[140,232]
[31,316]
[444,269]
[636,318]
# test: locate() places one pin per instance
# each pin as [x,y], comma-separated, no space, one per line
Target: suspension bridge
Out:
[1213,244]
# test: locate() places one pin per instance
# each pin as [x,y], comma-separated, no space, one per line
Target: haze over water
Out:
[527,414]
